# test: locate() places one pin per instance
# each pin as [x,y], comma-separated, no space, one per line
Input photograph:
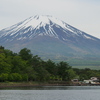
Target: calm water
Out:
[52,93]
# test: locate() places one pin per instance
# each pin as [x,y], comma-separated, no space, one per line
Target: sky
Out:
[81,14]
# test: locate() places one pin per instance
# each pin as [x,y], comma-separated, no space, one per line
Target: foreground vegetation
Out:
[25,67]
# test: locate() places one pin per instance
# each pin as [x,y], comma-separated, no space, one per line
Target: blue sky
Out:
[82,14]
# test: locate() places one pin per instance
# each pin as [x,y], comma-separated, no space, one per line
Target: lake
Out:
[51,93]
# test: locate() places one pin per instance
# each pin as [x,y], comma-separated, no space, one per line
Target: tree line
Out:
[24,66]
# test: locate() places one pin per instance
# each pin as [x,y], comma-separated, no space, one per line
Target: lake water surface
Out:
[52,93]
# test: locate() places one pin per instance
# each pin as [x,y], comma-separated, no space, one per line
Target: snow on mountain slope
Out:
[40,26]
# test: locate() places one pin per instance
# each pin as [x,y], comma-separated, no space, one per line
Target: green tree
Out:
[62,67]
[36,61]
[16,77]
[25,54]
[70,74]
[32,74]
[19,65]
[5,66]
[4,77]
[24,77]
[51,67]
[39,67]
[42,74]
[1,49]
[9,53]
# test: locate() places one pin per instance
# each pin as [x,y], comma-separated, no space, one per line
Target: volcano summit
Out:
[50,38]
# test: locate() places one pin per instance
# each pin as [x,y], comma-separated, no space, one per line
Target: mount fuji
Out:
[50,38]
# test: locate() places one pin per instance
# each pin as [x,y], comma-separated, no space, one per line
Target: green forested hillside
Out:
[24,66]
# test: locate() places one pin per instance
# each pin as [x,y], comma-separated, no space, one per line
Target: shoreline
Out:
[34,84]
[4,85]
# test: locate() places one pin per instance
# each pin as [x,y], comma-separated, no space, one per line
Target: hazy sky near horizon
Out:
[82,14]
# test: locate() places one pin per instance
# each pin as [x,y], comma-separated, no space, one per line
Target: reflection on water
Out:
[53,88]
[52,93]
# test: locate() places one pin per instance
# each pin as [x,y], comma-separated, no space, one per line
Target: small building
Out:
[75,80]
[92,80]
[87,81]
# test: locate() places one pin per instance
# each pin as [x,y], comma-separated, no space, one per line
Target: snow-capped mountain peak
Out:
[37,20]
[34,21]
[40,26]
